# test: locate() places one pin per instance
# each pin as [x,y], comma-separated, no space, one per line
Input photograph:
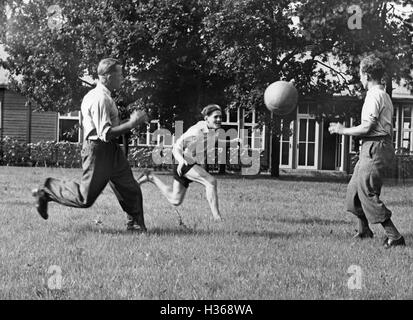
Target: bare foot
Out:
[218,219]
[145,176]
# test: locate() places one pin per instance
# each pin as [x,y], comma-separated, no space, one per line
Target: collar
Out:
[204,127]
[102,87]
[377,87]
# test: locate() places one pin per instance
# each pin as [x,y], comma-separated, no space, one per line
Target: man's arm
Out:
[100,114]
[360,130]
[137,117]
[369,115]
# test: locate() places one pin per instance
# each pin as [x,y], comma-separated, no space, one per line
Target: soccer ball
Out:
[281,97]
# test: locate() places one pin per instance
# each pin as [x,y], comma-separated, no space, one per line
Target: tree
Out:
[350,29]
[179,55]
[253,44]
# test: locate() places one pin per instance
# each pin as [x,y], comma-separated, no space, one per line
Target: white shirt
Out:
[378,109]
[195,141]
[99,113]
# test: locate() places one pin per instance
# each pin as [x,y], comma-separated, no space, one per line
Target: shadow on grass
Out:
[409,238]
[202,232]
[182,231]
[405,203]
[316,177]
[324,222]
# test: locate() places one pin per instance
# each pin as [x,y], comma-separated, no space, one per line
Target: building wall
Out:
[15,116]
[44,126]
[1,111]
[347,149]
[20,123]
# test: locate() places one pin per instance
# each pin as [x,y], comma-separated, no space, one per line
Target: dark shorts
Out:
[181,179]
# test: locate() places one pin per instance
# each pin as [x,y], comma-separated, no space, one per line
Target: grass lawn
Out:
[280,240]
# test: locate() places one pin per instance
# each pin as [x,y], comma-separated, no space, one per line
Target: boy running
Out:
[185,151]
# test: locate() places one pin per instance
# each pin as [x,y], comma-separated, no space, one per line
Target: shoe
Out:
[41,202]
[363,235]
[388,243]
[134,226]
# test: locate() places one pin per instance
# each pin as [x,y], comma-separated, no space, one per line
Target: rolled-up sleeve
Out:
[100,112]
[371,109]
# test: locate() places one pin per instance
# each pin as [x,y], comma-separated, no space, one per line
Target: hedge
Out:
[402,168]
[68,155]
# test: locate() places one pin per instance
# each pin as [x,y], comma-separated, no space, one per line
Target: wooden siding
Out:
[15,120]
[15,116]
[44,126]
[1,110]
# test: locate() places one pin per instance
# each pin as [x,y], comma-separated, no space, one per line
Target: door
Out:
[332,150]
[307,144]
[286,154]
[339,161]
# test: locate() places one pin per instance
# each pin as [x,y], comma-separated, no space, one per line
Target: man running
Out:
[103,160]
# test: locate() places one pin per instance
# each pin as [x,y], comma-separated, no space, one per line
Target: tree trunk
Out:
[275,150]
[389,86]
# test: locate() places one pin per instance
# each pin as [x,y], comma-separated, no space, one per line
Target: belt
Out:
[376,138]
[101,141]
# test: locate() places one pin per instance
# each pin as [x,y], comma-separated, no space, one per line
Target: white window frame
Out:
[340,142]
[290,146]
[307,117]
[236,124]
[396,126]
[67,116]
[227,113]
[351,138]
[148,142]
[403,130]
[1,114]
[254,133]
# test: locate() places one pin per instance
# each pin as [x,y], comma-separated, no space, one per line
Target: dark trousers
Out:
[363,191]
[102,163]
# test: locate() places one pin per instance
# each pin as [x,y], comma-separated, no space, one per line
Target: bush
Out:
[44,153]
[68,155]
[141,157]
[402,166]
[14,153]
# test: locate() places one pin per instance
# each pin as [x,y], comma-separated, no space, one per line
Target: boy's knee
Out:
[211,181]
[87,204]
[175,201]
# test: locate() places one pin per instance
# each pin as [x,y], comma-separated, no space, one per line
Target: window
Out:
[230,116]
[307,108]
[249,116]
[396,127]
[68,127]
[354,141]
[406,126]
[255,137]
[146,138]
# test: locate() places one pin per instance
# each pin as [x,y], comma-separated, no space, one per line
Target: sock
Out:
[363,225]
[390,229]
